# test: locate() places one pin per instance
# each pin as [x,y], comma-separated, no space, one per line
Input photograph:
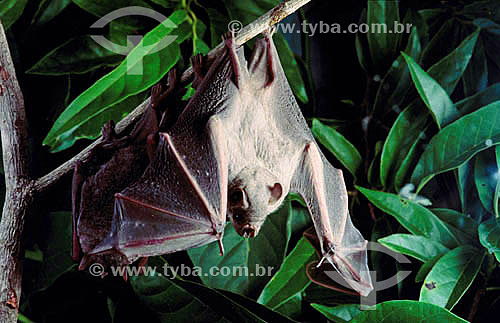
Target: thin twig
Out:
[248,32]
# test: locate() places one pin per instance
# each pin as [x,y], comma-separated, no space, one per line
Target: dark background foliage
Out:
[374,112]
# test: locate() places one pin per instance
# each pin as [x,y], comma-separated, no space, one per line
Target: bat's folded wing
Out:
[179,202]
[322,187]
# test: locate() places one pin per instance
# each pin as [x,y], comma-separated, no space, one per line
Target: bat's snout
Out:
[248,231]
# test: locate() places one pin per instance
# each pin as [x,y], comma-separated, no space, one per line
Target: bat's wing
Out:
[180,201]
[321,185]
[323,189]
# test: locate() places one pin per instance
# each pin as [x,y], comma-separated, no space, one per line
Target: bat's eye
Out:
[236,197]
[238,217]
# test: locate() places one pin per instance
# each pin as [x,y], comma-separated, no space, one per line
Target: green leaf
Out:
[339,314]
[49,9]
[434,96]
[246,12]
[383,45]
[417,247]
[486,177]
[408,129]
[462,226]
[426,268]
[496,197]
[102,8]
[490,34]
[451,276]
[411,123]
[412,216]
[55,243]
[338,145]
[292,308]
[479,100]
[10,11]
[361,43]
[458,142]
[79,55]
[407,311]
[396,83]
[489,236]
[92,128]
[291,277]
[166,3]
[119,84]
[261,255]
[175,300]
[218,25]
[409,161]
[475,77]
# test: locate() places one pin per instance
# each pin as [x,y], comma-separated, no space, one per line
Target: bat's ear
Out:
[276,193]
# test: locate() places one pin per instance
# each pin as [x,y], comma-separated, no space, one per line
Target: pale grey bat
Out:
[238,148]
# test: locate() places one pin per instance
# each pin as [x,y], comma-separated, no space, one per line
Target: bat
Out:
[238,148]
[115,163]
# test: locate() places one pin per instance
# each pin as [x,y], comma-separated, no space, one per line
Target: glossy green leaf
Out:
[486,177]
[418,247]
[246,12]
[409,161]
[338,145]
[490,34]
[383,45]
[496,197]
[489,236]
[426,268]
[408,129]
[339,314]
[406,311]
[291,277]
[292,308]
[119,84]
[361,44]
[10,11]
[175,300]
[458,142]
[396,83]
[101,8]
[412,216]
[475,77]
[166,3]
[49,9]
[451,276]
[441,43]
[434,96]
[479,100]
[262,255]
[374,169]
[462,226]
[218,25]
[76,56]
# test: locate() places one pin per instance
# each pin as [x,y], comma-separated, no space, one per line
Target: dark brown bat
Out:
[239,147]
[115,163]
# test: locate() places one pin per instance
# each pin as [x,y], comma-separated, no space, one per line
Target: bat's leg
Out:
[231,47]
[197,62]
[141,264]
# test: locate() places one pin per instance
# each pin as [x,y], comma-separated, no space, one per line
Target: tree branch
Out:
[18,186]
[261,24]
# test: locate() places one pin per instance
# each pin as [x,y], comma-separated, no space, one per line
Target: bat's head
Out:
[253,194]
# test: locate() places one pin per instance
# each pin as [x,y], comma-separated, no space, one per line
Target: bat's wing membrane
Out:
[323,189]
[180,201]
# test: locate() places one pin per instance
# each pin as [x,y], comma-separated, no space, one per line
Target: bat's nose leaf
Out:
[248,231]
